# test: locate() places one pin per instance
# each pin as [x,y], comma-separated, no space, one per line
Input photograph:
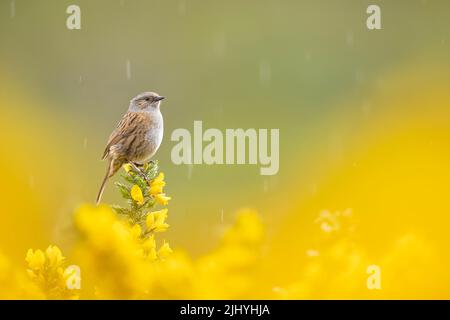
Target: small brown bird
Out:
[137,136]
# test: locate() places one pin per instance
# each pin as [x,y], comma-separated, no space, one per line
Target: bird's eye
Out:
[147,99]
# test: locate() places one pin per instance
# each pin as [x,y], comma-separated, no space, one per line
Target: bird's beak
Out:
[160,98]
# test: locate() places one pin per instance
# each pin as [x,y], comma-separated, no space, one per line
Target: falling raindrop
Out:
[359,76]
[265,74]
[349,38]
[221,216]
[182,7]
[219,111]
[266,185]
[219,45]
[13,8]
[308,56]
[85,143]
[128,69]
[80,79]
[366,108]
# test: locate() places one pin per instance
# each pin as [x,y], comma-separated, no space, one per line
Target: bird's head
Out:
[145,101]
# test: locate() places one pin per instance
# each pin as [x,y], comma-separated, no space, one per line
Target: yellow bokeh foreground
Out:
[394,180]
[115,263]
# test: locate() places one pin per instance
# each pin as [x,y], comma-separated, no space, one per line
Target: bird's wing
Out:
[131,122]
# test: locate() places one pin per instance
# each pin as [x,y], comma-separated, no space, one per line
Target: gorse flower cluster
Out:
[127,262]
[47,270]
[122,263]
[120,254]
[118,247]
[145,190]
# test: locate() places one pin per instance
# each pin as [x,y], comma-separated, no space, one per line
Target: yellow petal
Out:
[35,260]
[136,231]
[160,215]
[127,167]
[31,274]
[162,198]
[155,189]
[157,184]
[150,243]
[54,255]
[152,254]
[160,177]
[29,255]
[136,194]
[161,228]
[150,220]
[164,251]
[156,220]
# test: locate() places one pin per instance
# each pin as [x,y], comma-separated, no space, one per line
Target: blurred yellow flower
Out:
[136,231]
[164,251]
[136,194]
[127,167]
[123,265]
[35,259]
[157,184]
[111,253]
[149,247]
[247,229]
[162,199]
[121,261]
[54,256]
[49,273]
[156,221]
[15,283]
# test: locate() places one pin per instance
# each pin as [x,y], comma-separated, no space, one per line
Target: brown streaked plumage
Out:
[137,136]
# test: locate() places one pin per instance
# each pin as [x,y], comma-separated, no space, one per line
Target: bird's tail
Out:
[109,173]
[102,188]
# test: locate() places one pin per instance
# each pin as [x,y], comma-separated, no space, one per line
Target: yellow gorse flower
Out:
[157,190]
[48,272]
[156,221]
[54,256]
[149,247]
[157,184]
[164,251]
[127,167]
[136,231]
[136,194]
[123,258]
[35,259]
[162,199]
[139,266]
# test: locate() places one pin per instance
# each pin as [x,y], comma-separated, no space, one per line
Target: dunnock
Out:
[137,136]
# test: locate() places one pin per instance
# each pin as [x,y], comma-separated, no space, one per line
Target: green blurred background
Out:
[305,67]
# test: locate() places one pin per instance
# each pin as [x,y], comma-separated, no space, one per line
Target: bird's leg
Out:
[139,171]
